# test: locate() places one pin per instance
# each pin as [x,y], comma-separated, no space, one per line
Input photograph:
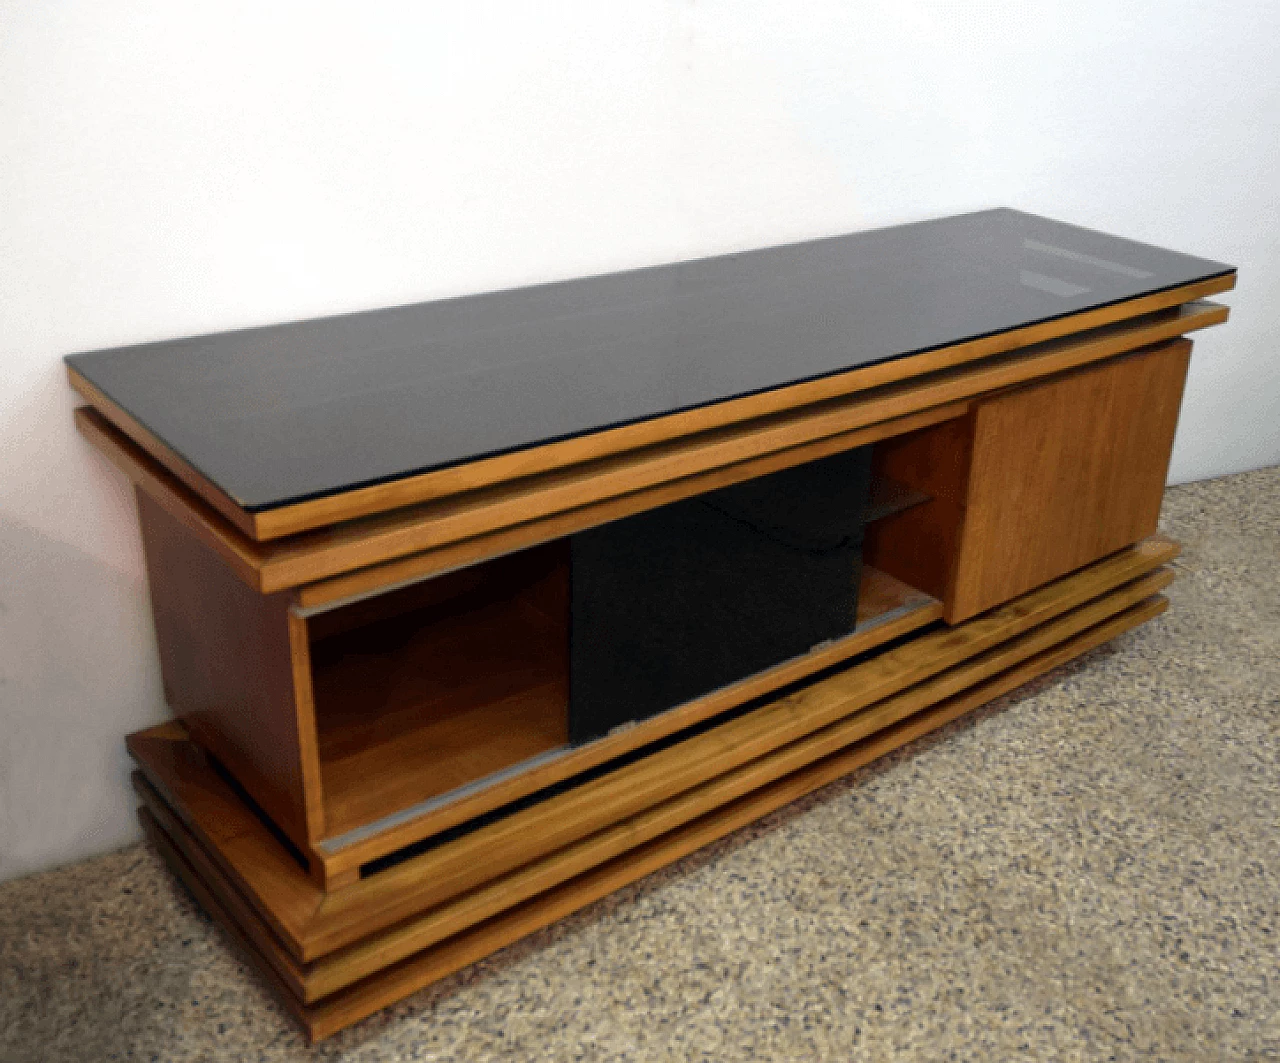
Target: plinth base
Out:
[335,957]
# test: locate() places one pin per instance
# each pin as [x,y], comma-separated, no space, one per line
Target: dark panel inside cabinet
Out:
[684,599]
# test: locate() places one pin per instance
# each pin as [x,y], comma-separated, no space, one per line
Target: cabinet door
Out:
[1065,472]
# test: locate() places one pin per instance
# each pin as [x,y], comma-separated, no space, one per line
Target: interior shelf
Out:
[882,598]
[889,496]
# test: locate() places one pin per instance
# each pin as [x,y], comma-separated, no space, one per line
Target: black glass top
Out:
[288,412]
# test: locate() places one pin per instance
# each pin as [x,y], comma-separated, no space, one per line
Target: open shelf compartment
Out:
[427,689]
[447,699]
[372,724]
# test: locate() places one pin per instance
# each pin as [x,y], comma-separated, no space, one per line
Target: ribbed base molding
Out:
[337,957]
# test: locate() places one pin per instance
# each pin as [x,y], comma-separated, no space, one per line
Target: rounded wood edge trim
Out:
[245,557]
[395,981]
[410,568]
[423,487]
[309,561]
[395,494]
[397,550]
[153,445]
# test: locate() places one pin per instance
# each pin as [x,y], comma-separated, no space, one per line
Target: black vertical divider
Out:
[676,602]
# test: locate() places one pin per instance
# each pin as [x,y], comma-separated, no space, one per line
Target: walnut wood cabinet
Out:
[359,536]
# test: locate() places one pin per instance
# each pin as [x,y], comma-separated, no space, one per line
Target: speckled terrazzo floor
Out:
[1088,869]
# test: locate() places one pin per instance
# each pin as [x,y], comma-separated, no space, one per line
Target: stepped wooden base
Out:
[338,956]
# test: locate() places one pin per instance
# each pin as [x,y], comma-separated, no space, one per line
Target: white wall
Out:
[167,169]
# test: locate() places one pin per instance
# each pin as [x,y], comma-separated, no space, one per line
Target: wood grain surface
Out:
[327,1013]
[498,519]
[235,670]
[1064,472]
[411,490]
[311,923]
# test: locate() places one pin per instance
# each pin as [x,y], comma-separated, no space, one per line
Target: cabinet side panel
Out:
[226,657]
[1065,472]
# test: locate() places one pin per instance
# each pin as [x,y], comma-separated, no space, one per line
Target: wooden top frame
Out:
[313,923]
[656,355]
[331,564]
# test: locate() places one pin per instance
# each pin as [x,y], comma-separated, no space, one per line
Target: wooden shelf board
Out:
[889,496]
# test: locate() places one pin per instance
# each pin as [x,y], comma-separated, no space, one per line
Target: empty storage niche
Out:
[434,702]
[919,544]
[438,685]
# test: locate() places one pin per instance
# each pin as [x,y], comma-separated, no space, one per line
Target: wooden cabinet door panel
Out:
[1065,472]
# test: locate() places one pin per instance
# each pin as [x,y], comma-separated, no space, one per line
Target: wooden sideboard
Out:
[362,538]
